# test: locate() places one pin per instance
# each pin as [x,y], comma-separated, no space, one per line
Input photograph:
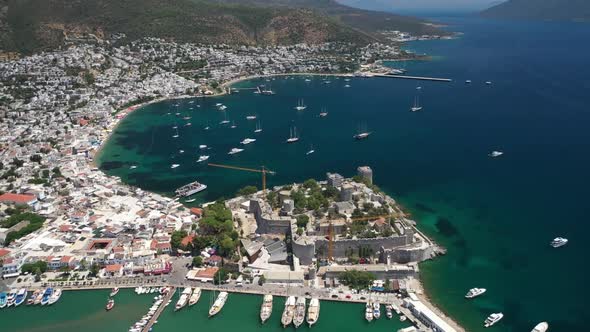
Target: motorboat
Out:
[474,292]
[3,299]
[183,300]
[202,146]
[493,319]
[21,297]
[313,312]
[202,158]
[251,117]
[195,296]
[376,310]
[389,311]
[559,242]
[173,166]
[235,150]
[495,154]
[247,141]
[55,296]
[541,327]
[110,305]
[266,308]
[114,291]
[369,312]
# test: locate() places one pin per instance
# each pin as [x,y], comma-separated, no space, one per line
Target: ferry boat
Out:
[173,166]
[493,319]
[3,299]
[202,158]
[474,292]
[21,297]
[558,242]
[55,296]
[495,154]
[34,296]
[110,304]
[300,105]
[235,150]
[389,311]
[266,308]
[299,312]
[313,312]
[541,327]
[190,189]
[46,296]
[376,310]
[288,312]
[219,303]
[293,136]
[247,141]
[183,300]
[369,311]
[114,291]
[195,296]
[416,106]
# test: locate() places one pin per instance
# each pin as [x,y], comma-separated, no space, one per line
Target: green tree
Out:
[261,280]
[220,276]
[176,239]
[197,261]
[302,220]
[247,191]
[94,269]
[357,279]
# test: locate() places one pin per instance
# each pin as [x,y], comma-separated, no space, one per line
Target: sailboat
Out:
[233,125]
[311,150]
[323,113]
[225,121]
[258,127]
[362,133]
[416,106]
[300,105]
[293,136]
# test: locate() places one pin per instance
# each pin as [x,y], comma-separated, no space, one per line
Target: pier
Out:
[161,308]
[420,78]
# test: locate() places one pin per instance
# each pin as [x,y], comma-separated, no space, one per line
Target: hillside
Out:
[558,10]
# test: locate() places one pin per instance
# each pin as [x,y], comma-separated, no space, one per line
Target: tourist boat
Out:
[3,299]
[293,136]
[46,296]
[34,296]
[288,312]
[258,127]
[190,189]
[183,300]
[416,106]
[235,150]
[114,291]
[493,319]
[474,292]
[202,158]
[173,166]
[195,296]
[495,154]
[369,311]
[389,311]
[299,312]
[266,308]
[247,141]
[55,296]
[218,305]
[313,312]
[558,242]
[300,105]
[311,150]
[21,297]
[110,304]
[541,327]
[376,310]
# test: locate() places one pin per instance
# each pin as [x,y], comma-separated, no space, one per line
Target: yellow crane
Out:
[262,170]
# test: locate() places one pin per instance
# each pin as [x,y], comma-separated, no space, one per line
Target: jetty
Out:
[420,78]
[161,308]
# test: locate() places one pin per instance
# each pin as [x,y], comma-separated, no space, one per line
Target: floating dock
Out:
[154,318]
[420,78]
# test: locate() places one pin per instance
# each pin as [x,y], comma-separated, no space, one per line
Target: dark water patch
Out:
[111,165]
[424,208]
[445,227]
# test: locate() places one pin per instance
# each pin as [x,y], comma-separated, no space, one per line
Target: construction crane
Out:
[262,170]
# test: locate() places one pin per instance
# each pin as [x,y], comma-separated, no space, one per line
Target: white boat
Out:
[376,310]
[224,122]
[347,85]
[369,312]
[558,242]
[174,166]
[183,300]
[493,319]
[218,304]
[288,312]
[55,296]
[362,135]
[495,154]
[416,106]
[266,308]
[311,150]
[488,82]
[189,190]
[467,81]
[541,327]
[258,127]
[251,117]
[233,125]
[180,151]
[235,150]
[474,292]
[21,297]
[190,200]
[300,105]
[293,136]
[313,312]
[247,141]
[202,158]
[202,146]
[389,311]
[132,167]
[299,312]
[195,296]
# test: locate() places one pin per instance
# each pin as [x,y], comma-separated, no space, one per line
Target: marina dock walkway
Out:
[154,318]
[420,78]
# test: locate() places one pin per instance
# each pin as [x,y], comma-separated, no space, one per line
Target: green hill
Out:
[558,10]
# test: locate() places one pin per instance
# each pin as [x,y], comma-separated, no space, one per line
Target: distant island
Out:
[555,10]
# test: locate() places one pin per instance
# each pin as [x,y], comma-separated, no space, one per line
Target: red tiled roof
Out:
[113,268]
[66,259]
[65,228]
[187,239]
[197,211]
[4,252]
[16,198]
[207,273]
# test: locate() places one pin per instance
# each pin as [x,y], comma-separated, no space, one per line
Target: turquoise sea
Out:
[495,216]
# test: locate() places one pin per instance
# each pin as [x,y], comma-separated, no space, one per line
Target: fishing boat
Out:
[299,312]
[46,295]
[110,305]
[266,308]
[34,296]
[195,296]
[300,105]
[11,297]
[3,299]
[258,127]
[293,136]
[114,291]
[313,312]
[416,106]
[288,312]
[55,296]
[218,304]
[183,300]
[21,297]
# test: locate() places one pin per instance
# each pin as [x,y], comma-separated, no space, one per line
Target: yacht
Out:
[369,311]
[289,311]
[389,311]
[251,117]
[266,308]
[416,106]
[235,150]
[362,135]
[247,141]
[559,242]
[110,304]
[202,158]
[55,296]
[195,296]
[313,312]
[474,292]
[541,327]
[173,166]
[3,299]
[293,136]
[218,304]
[300,105]
[376,310]
[495,154]
[183,300]
[11,297]
[493,319]
[258,127]
[202,146]
[299,312]
[21,297]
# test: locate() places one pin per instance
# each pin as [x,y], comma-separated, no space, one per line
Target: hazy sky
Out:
[425,5]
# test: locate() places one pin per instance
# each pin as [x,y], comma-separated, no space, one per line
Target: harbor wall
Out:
[342,248]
